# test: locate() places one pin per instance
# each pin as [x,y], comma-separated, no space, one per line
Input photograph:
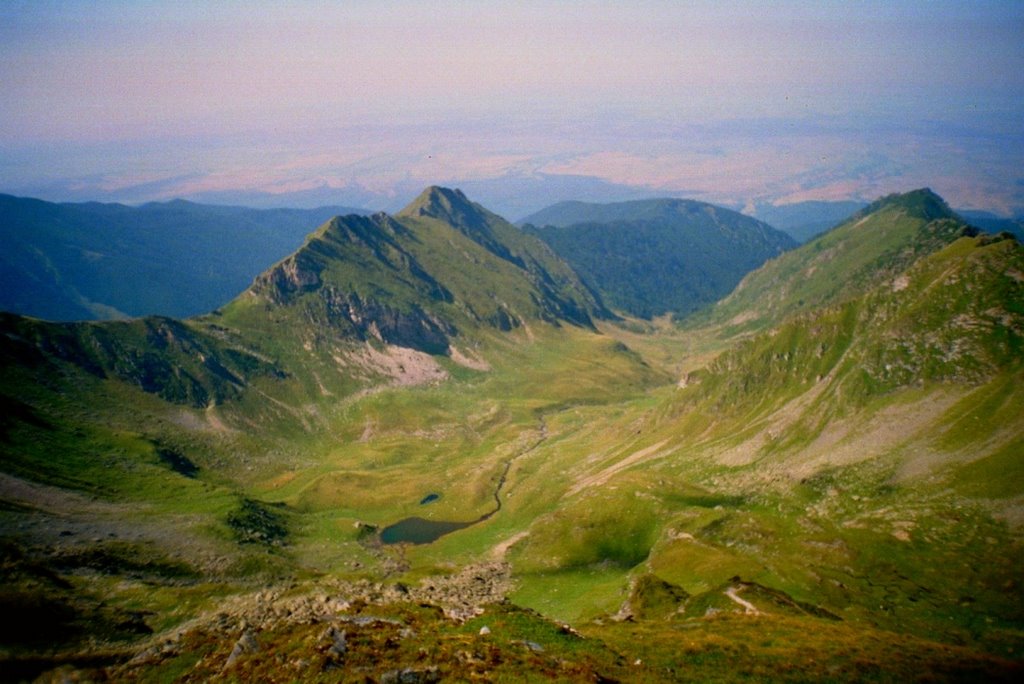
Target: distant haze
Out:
[363,103]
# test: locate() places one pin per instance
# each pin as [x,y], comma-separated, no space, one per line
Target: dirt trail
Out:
[508,466]
[501,548]
[748,607]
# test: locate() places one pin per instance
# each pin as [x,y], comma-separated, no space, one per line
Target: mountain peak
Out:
[922,203]
[444,204]
[868,250]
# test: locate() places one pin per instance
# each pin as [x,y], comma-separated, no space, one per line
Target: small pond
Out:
[420,530]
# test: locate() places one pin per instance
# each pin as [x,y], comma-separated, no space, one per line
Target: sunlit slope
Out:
[444,291]
[876,244]
[864,459]
[561,293]
[950,325]
[441,278]
[365,301]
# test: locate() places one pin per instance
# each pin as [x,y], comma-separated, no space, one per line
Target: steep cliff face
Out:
[353,276]
[370,319]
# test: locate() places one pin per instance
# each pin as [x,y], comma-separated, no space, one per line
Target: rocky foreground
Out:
[451,627]
[460,627]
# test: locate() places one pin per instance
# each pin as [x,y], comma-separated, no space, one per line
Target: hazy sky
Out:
[193,97]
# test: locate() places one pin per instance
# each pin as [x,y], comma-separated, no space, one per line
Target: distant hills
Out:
[651,257]
[991,223]
[91,260]
[804,220]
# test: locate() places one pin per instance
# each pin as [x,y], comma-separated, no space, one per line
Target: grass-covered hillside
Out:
[835,494]
[873,246]
[651,257]
[98,261]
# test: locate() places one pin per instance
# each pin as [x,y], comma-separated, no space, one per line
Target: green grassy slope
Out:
[564,295]
[874,245]
[433,270]
[840,458]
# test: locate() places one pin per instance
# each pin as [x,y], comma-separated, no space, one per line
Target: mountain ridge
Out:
[876,243]
[566,213]
[413,281]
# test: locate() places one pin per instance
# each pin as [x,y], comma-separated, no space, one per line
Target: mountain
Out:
[521,194]
[96,261]
[873,246]
[439,278]
[805,220]
[560,293]
[564,214]
[440,269]
[954,316]
[407,453]
[650,257]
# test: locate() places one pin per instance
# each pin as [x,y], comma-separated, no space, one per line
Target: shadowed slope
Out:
[650,257]
[100,261]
